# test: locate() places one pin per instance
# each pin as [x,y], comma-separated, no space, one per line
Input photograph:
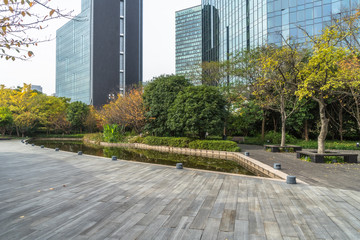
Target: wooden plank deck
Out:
[57,195]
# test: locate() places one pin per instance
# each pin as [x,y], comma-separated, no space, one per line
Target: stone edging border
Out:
[249,163]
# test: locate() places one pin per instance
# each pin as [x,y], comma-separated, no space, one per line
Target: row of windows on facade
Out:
[187,57]
[186,19]
[188,27]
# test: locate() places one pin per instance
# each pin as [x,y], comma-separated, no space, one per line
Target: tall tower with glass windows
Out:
[99,52]
[188,40]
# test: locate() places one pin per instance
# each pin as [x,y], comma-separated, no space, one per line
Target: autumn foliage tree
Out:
[276,85]
[349,75]
[126,111]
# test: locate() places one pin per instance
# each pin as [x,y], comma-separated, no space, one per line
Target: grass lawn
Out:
[312,144]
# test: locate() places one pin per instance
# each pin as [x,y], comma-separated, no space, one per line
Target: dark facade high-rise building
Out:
[99,52]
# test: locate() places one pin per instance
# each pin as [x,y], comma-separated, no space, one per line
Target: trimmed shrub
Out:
[275,138]
[182,142]
[215,145]
[168,141]
[136,139]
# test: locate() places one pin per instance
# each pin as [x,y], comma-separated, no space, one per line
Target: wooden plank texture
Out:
[58,195]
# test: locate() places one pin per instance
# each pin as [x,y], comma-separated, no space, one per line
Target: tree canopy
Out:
[159,95]
[197,110]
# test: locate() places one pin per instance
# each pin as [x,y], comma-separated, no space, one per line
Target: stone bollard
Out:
[357,144]
[42,146]
[22,141]
[247,154]
[114,158]
[80,152]
[291,180]
[179,166]
[277,166]
[26,143]
[33,145]
[57,149]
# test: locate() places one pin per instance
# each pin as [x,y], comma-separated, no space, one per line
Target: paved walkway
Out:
[58,195]
[344,176]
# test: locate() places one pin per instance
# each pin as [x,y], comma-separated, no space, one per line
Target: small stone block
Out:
[33,145]
[42,146]
[80,153]
[277,166]
[22,141]
[291,180]
[179,166]
[114,158]
[57,149]
[247,154]
[26,143]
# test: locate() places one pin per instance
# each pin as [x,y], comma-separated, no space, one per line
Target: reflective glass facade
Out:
[73,59]
[99,53]
[188,40]
[232,25]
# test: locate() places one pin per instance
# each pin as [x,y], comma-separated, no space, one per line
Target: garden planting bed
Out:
[320,157]
[278,148]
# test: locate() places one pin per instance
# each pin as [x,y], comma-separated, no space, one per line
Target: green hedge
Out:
[184,142]
[59,136]
[168,141]
[215,145]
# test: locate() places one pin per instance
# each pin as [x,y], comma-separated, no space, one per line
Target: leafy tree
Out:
[49,109]
[197,110]
[126,111]
[76,114]
[349,75]
[244,118]
[208,73]
[92,120]
[17,19]
[302,120]
[26,122]
[275,87]
[319,78]
[159,95]
[245,66]
[6,118]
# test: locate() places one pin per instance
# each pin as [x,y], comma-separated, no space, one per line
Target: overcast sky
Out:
[159,46]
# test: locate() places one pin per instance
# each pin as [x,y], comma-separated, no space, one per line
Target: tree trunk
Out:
[283,130]
[306,130]
[283,122]
[324,126]
[17,131]
[263,126]
[341,124]
[274,122]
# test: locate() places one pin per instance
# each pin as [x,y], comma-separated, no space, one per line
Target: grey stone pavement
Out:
[59,195]
[344,176]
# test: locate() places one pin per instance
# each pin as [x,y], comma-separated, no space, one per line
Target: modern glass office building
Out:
[99,52]
[229,26]
[188,40]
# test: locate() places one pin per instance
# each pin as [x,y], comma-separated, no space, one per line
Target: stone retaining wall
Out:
[251,164]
